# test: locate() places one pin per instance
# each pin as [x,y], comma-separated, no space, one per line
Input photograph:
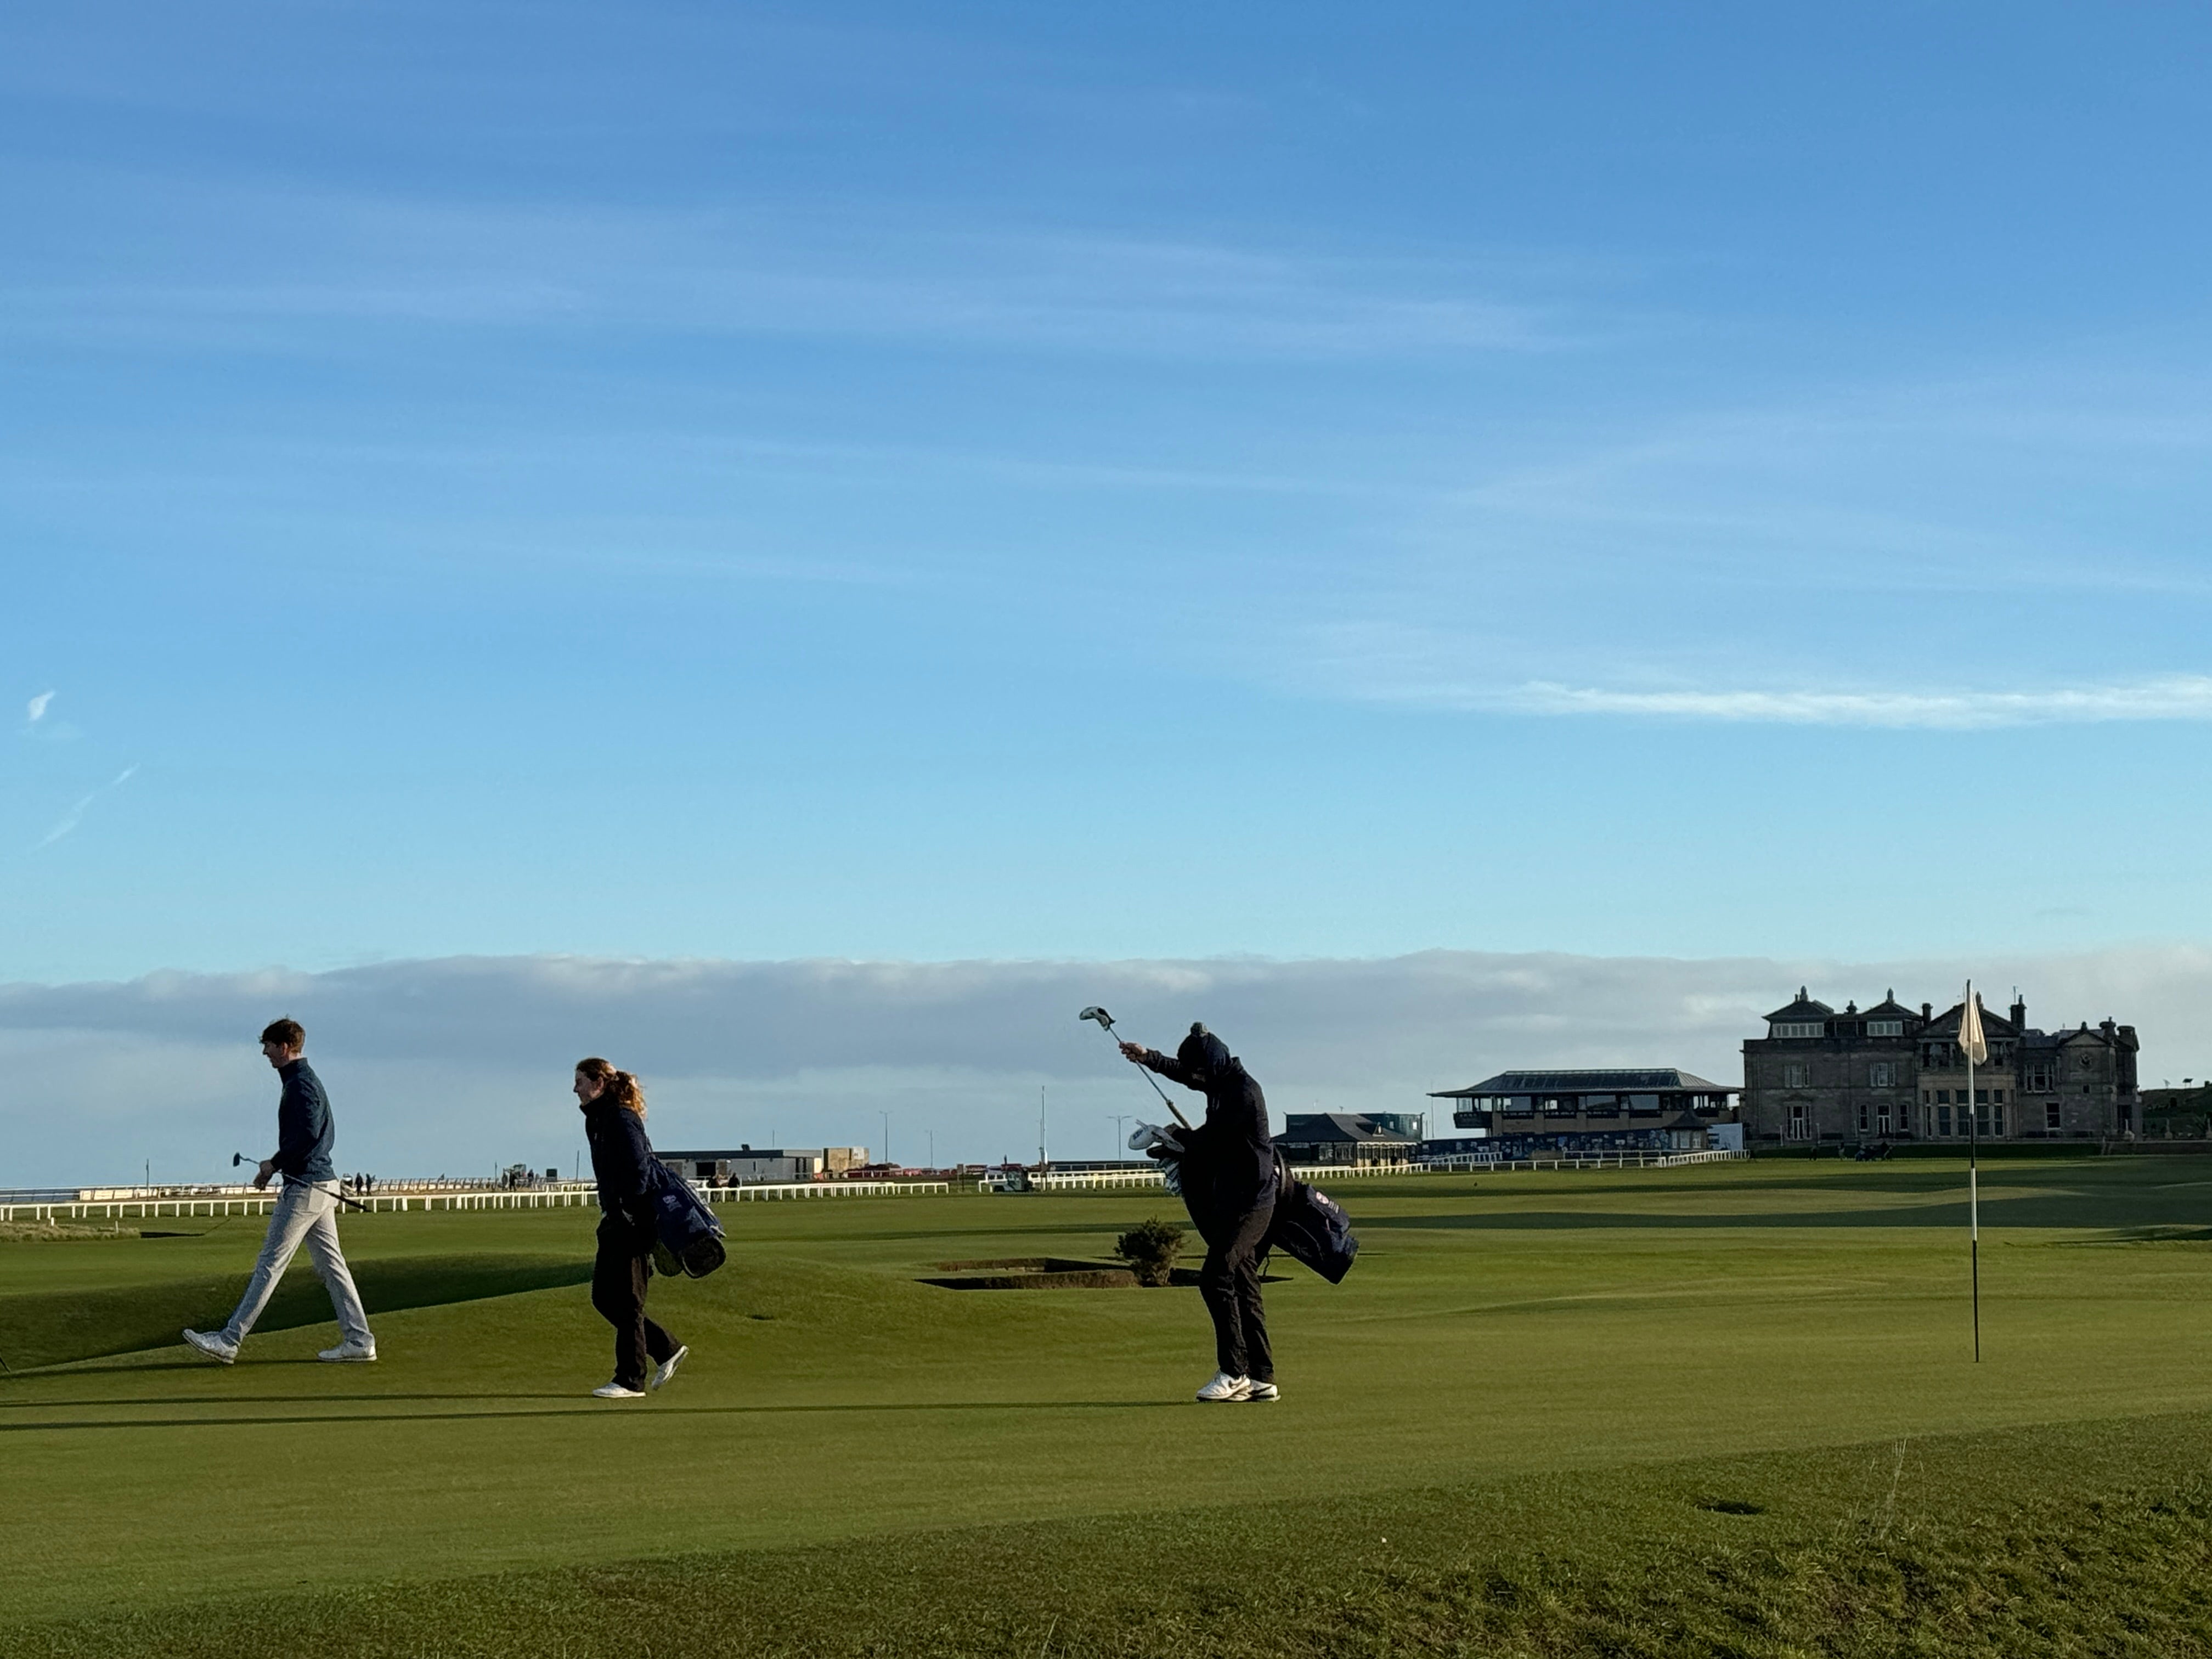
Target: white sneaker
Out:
[1263,1392]
[1224,1388]
[666,1369]
[350,1353]
[213,1346]
[617,1391]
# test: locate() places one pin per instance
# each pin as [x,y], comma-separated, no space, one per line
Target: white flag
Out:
[1969,1029]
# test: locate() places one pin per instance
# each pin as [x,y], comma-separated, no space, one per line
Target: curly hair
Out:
[620,1087]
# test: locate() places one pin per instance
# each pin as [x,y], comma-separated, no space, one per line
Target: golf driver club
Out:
[1105,1022]
[237,1158]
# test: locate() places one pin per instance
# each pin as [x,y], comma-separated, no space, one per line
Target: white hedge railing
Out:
[1461,1163]
[148,1205]
[247,1200]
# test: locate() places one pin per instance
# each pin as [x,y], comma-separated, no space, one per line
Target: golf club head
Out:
[1105,1020]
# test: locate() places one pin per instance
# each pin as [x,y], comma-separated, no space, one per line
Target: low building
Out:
[1891,1072]
[1350,1138]
[1658,1109]
[749,1165]
[1608,1102]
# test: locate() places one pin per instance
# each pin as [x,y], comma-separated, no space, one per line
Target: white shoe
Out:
[211,1345]
[617,1391]
[350,1353]
[666,1369]
[1263,1392]
[1224,1388]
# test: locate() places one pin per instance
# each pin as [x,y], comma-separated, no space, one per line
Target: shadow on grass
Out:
[2126,1209]
[608,1408]
[113,1400]
[50,1328]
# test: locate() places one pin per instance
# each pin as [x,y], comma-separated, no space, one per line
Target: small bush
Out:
[1151,1247]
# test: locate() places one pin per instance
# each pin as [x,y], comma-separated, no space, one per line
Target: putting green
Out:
[1497,1329]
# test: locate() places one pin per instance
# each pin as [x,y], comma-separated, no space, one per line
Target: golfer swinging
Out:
[306,1213]
[1228,1172]
[645,1356]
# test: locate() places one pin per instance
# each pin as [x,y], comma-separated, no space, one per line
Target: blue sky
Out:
[1003,482]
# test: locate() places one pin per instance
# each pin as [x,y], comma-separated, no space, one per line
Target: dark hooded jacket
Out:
[622,1160]
[1229,1161]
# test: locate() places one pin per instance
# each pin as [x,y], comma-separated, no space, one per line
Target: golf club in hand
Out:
[237,1158]
[1105,1022]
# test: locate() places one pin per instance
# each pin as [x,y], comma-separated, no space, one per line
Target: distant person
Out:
[305,1213]
[1228,1174]
[646,1357]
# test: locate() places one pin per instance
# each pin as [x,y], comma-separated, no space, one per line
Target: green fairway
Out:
[1617,1347]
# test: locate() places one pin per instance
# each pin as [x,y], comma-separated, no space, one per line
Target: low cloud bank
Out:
[463,1063]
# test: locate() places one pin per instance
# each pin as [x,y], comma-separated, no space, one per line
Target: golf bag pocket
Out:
[1310,1227]
[683,1228]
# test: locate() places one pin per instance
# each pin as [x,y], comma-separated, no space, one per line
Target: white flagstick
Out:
[1972,1042]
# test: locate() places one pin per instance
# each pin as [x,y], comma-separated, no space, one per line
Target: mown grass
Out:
[1524,1388]
[2091,1538]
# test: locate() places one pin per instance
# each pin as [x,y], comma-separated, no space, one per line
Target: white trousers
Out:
[305,1214]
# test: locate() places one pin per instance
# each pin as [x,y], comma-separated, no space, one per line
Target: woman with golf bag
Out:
[1228,1174]
[645,1356]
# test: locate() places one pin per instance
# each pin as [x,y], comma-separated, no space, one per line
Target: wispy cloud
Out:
[1383,663]
[2176,697]
[42,725]
[75,816]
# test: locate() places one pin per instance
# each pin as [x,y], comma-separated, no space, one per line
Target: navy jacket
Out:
[1229,1163]
[304,1128]
[622,1160]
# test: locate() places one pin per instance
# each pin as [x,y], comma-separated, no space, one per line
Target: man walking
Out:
[306,1213]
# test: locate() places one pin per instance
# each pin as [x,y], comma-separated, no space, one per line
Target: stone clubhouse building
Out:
[1891,1072]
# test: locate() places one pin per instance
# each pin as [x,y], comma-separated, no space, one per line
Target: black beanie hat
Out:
[1203,1053]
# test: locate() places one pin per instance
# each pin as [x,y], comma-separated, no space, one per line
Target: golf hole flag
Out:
[1969,1029]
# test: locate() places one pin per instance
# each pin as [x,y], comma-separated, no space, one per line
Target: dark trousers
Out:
[619,1293]
[1230,1282]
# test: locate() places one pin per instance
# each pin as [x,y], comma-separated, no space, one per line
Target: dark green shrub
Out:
[1150,1248]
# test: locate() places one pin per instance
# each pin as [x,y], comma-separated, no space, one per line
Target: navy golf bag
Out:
[686,1237]
[1310,1227]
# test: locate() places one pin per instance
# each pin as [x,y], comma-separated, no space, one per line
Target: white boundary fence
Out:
[146,1205]
[245,1200]
[1463,1163]
[1471,1163]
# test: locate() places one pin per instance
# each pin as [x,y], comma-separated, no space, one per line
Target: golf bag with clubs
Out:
[1310,1227]
[687,1239]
